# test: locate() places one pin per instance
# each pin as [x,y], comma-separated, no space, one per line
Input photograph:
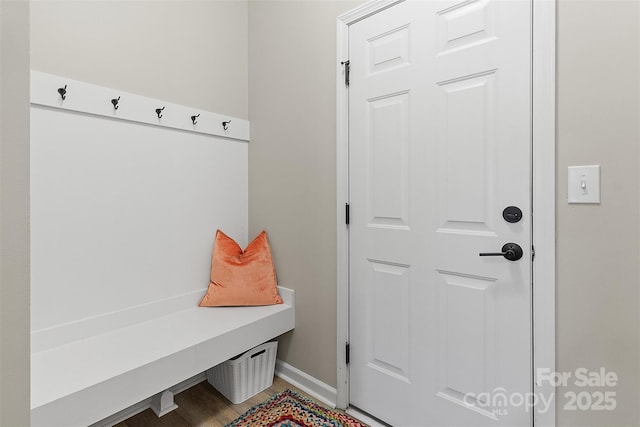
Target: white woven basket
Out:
[246,375]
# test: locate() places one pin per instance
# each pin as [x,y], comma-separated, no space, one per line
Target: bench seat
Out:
[84,381]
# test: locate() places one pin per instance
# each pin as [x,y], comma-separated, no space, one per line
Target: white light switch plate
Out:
[584,184]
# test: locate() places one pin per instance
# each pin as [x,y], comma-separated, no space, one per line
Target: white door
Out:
[439,146]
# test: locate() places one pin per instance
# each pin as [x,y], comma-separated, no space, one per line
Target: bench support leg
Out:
[163,403]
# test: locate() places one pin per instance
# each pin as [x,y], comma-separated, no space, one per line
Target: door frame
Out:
[543,194]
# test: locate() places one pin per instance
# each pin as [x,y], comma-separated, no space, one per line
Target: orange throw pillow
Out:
[241,277]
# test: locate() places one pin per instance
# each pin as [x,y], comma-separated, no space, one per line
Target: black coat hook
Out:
[63,92]
[194,119]
[114,101]
[225,125]
[159,112]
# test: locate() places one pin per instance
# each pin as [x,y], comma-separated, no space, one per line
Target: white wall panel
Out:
[124,213]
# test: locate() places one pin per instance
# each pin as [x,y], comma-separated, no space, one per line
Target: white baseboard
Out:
[124,414]
[319,390]
[297,378]
[305,382]
[146,404]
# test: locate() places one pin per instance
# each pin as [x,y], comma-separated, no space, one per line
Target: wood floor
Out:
[202,405]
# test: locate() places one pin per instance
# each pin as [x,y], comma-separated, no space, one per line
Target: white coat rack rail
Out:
[60,92]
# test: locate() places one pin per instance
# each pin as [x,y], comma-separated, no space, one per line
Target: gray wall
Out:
[14,213]
[598,245]
[292,184]
[188,52]
[292,165]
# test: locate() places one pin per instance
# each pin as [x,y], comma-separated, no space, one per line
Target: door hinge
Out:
[533,253]
[347,70]
[346,213]
[347,353]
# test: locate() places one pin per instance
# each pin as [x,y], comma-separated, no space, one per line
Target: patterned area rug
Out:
[289,409]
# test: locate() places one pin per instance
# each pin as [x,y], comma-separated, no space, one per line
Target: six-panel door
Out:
[439,145]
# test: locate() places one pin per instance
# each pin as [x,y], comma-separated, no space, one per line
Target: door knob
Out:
[511,251]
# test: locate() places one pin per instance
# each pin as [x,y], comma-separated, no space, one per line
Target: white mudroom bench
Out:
[84,373]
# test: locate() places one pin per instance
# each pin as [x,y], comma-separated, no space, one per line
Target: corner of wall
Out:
[14,213]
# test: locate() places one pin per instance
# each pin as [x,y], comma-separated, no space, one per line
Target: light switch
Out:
[584,184]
